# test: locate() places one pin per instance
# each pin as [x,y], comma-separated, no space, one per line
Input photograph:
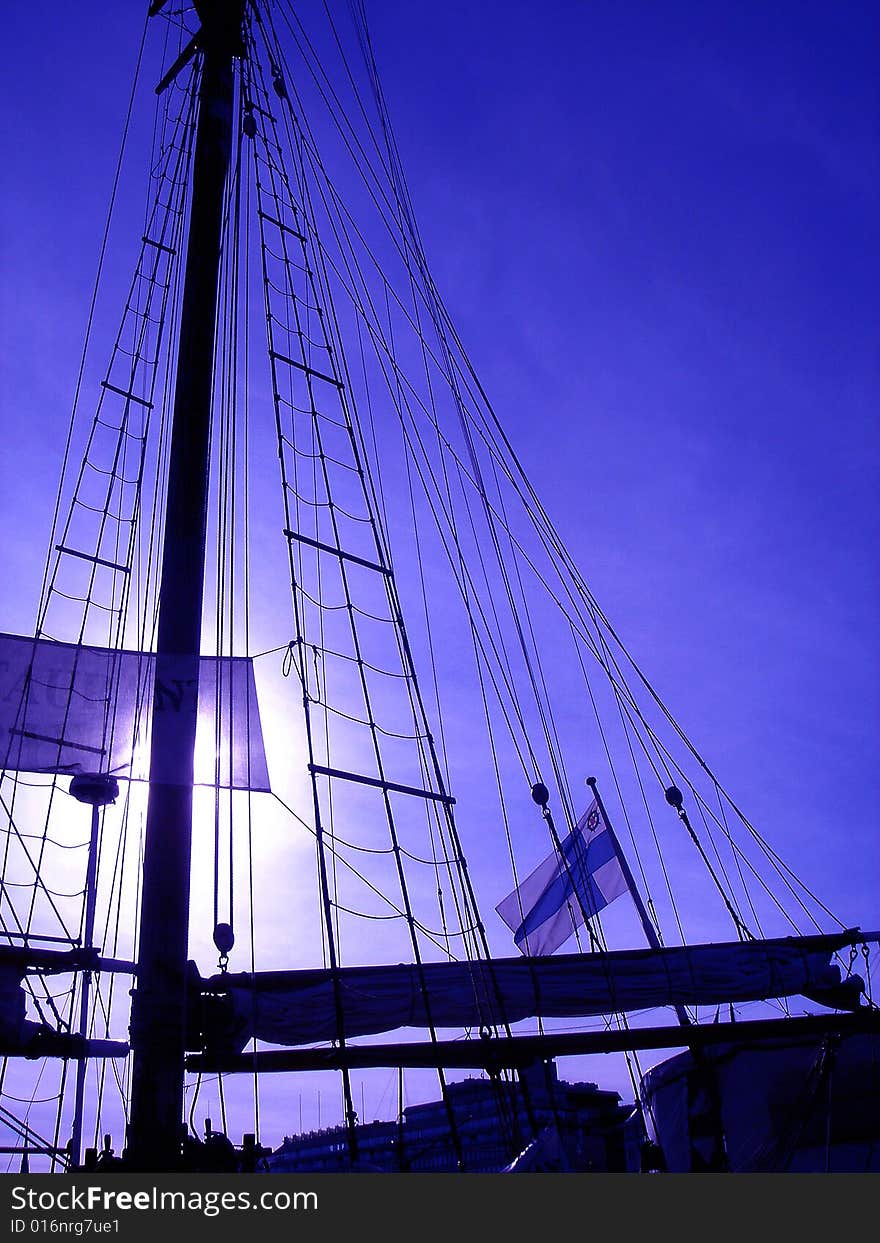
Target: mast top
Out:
[221,25]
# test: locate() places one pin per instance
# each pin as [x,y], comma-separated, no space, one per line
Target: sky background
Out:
[655,226]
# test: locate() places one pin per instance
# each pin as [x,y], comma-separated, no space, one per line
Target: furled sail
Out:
[68,708]
[300,1007]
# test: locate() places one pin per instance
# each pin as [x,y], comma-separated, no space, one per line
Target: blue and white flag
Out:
[571,884]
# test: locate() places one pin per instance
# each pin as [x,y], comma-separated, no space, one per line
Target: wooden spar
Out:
[47,1042]
[95,790]
[647,925]
[159,1005]
[32,958]
[519,1051]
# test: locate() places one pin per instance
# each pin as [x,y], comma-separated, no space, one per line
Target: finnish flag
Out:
[570,884]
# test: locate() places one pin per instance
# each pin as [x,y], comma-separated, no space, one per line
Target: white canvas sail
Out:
[66,708]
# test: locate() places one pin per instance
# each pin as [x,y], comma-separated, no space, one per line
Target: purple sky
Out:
[655,227]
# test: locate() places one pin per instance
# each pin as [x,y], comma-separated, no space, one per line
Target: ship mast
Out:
[159,1007]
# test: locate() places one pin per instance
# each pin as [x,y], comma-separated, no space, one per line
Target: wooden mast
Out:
[159,1006]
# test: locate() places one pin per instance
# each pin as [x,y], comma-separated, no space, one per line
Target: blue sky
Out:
[655,228]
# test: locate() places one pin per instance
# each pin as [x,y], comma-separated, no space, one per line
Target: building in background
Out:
[579,1126]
